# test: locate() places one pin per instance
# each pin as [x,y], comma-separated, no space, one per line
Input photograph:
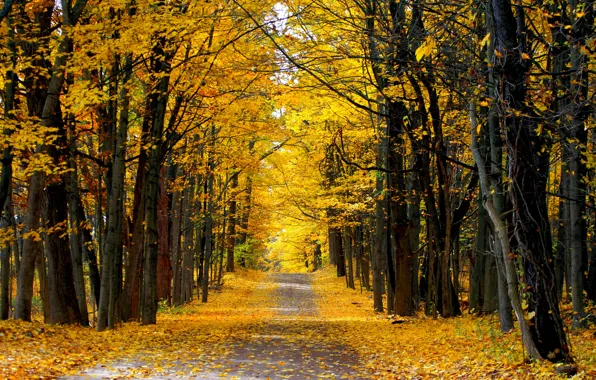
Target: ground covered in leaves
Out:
[258,327]
[34,350]
[275,326]
[467,347]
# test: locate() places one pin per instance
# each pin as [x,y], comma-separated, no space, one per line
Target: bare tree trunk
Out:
[332,245]
[477,261]
[528,172]
[10,88]
[318,256]
[164,262]
[64,306]
[414,218]
[231,224]
[188,242]
[399,269]
[88,251]
[561,259]
[5,277]
[491,285]
[208,226]
[6,217]
[111,263]
[175,234]
[336,243]
[42,275]
[347,245]
[131,292]
[496,182]
[76,236]
[578,138]
[501,232]
[161,68]
[36,86]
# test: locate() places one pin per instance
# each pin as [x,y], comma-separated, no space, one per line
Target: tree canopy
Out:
[439,155]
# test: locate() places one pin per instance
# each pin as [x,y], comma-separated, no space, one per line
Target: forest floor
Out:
[466,347]
[279,326]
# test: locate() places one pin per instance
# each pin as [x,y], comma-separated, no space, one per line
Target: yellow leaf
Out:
[525,56]
[485,40]
[426,48]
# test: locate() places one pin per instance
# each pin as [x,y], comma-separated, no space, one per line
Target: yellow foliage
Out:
[395,347]
[34,350]
[426,48]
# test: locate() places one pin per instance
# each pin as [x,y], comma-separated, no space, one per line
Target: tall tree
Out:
[528,173]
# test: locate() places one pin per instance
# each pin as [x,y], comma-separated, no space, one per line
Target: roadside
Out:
[468,347]
[182,334]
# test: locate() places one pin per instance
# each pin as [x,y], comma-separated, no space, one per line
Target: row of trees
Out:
[444,146]
[470,162]
[131,134]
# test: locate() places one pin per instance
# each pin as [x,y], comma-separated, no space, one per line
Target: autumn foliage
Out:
[439,156]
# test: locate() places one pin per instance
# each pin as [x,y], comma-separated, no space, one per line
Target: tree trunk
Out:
[5,277]
[131,291]
[231,224]
[76,236]
[578,138]
[501,233]
[112,259]
[414,218]
[404,300]
[317,262]
[31,247]
[562,272]
[63,299]
[164,263]
[496,183]
[399,271]
[10,88]
[175,235]
[42,275]
[159,99]
[36,93]
[477,261]
[188,242]
[336,249]
[347,245]
[491,285]
[528,173]
[208,227]
[149,300]
[6,217]
[64,307]
[87,246]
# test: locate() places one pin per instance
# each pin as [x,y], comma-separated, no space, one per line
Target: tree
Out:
[528,175]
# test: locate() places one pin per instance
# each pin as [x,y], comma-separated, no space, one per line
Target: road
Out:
[292,344]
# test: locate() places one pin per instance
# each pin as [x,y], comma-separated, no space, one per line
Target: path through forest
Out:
[291,344]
